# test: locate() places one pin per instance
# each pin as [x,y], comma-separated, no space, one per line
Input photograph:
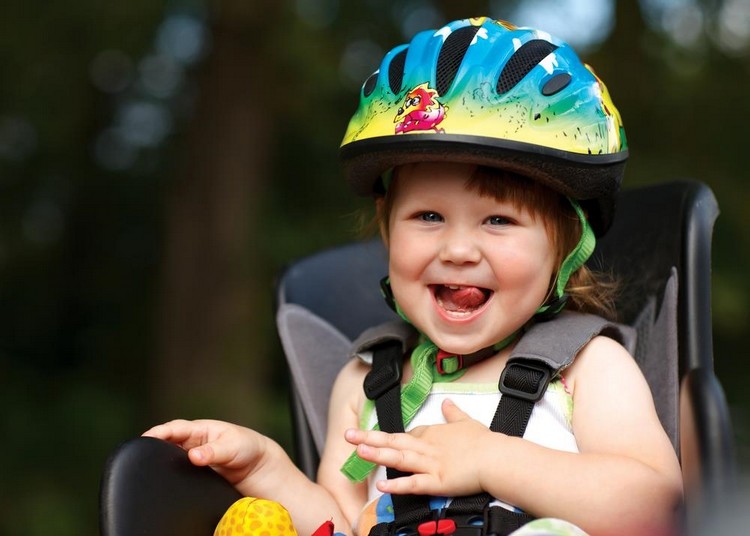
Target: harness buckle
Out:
[387,374]
[524,379]
[437,527]
[442,356]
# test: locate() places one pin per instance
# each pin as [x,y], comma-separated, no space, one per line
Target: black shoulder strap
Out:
[383,386]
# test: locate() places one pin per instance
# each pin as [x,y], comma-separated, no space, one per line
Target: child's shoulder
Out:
[348,384]
[353,372]
[347,393]
[604,361]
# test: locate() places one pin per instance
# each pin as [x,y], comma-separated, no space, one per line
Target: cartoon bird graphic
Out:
[421,111]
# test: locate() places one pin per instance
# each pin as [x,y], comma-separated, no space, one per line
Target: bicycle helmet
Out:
[487,92]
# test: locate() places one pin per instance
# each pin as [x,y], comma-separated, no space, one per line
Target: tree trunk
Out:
[210,348]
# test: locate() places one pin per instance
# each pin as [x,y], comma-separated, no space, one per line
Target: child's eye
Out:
[499,220]
[430,217]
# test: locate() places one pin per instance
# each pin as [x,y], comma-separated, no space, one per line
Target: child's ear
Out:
[382,223]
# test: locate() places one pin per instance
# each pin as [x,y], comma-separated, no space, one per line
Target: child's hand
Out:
[233,451]
[258,467]
[446,459]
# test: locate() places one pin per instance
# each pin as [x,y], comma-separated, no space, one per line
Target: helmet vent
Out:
[451,55]
[556,84]
[396,71]
[522,61]
[369,86]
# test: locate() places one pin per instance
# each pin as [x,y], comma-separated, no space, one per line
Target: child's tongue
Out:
[460,299]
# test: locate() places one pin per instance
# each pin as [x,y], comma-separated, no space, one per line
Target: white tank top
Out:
[549,425]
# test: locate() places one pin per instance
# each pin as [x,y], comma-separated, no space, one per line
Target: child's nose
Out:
[459,247]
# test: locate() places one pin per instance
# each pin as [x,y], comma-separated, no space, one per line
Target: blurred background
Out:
[161,161]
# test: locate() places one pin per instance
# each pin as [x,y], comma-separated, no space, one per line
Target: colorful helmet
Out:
[486,92]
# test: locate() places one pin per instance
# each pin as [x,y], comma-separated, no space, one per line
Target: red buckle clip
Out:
[441,526]
[441,355]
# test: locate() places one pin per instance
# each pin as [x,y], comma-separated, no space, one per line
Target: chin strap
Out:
[569,266]
[447,363]
[387,292]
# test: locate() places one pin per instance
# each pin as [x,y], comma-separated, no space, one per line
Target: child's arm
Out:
[626,479]
[344,407]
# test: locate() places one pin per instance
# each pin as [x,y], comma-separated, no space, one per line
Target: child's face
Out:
[467,270]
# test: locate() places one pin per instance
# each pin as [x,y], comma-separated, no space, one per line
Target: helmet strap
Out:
[387,292]
[575,260]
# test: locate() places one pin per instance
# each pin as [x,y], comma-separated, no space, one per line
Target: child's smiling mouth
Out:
[460,300]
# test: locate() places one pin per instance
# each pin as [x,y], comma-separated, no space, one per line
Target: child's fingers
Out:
[398,451]
[416,484]
[223,450]
[376,438]
[355,436]
[204,455]
[185,433]
[194,438]
[401,459]
[188,434]
[452,412]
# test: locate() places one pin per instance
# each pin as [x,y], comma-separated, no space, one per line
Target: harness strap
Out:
[522,383]
[498,521]
[383,385]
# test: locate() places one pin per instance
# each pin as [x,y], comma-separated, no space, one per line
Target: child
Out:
[492,152]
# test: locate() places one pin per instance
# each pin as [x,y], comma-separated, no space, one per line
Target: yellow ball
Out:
[255,517]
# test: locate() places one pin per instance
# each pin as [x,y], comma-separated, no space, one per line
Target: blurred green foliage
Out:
[93,128]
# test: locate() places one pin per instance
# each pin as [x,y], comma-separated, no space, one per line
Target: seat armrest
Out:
[150,487]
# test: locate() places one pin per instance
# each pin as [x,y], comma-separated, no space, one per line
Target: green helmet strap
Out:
[572,262]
